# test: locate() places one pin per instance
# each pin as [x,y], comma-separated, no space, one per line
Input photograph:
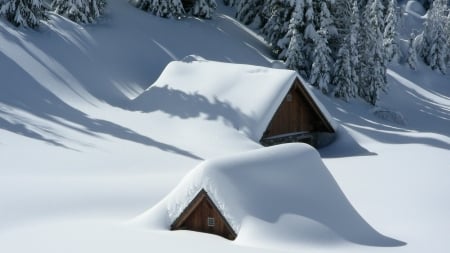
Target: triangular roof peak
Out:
[203,215]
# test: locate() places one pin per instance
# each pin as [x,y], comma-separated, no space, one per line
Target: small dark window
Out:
[289,97]
[211,222]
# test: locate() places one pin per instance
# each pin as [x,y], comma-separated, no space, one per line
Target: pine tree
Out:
[435,47]
[162,8]
[204,8]
[373,70]
[321,67]
[247,10]
[412,52]
[437,36]
[295,27]
[345,87]
[342,14]
[310,32]
[277,24]
[80,11]
[354,36]
[346,76]
[390,32]
[448,38]
[322,60]
[295,56]
[27,13]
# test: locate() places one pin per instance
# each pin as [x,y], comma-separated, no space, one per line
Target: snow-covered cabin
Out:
[203,215]
[271,188]
[270,106]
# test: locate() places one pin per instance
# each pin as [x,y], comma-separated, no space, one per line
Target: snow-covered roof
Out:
[265,184]
[244,96]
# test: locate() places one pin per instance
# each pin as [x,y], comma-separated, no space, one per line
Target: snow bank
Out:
[267,184]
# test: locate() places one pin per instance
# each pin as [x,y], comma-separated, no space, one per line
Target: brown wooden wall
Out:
[195,218]
[296,113]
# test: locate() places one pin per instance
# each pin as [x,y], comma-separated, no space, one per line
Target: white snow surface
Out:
[79,161]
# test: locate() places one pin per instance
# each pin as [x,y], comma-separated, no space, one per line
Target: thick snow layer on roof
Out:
[244,96]
[267,184]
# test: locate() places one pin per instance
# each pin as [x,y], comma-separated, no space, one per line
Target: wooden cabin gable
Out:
[202,215]
[297,113]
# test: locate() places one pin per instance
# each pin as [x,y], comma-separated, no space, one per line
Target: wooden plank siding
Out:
[297,113]
[195,217]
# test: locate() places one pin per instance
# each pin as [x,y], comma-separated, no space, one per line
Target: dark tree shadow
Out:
[31,97]
[177,103]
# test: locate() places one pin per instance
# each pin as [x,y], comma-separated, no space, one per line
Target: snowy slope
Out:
[77,165]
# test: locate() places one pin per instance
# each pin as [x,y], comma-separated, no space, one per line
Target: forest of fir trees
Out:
[341,46]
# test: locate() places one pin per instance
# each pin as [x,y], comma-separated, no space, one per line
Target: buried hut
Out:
[266,190]
[270,106]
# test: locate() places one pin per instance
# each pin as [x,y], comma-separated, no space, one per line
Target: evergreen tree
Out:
[434,47]
[277,24]
[390,32]
[295,27]
[342,13]
[162,8]
[295,56]
[354,35]
[322,60]
[204,8]
[27,13]
[448,38]
[347,63]
[373,72]
[247,10]
[345,87]
[321,67]
[310,32]
[80,11]
[412,52]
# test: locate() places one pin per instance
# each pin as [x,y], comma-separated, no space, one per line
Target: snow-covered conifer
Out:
[294,54]
[27,13]
[247,10]
[434,38]
[203,8]
[353,42]
[80,11]
[373,70]
[162,8]
[321,67]
[345,87]
[295,27]
[412,52]
[310,32]
[346,76]
[277,24]
[390,32]
[322,60]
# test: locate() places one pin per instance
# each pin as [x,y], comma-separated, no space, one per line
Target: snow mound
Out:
[389,115]
[263,188]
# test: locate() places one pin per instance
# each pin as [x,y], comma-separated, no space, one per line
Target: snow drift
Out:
[268,185]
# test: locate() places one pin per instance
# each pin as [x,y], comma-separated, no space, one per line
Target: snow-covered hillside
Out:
[78,162]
